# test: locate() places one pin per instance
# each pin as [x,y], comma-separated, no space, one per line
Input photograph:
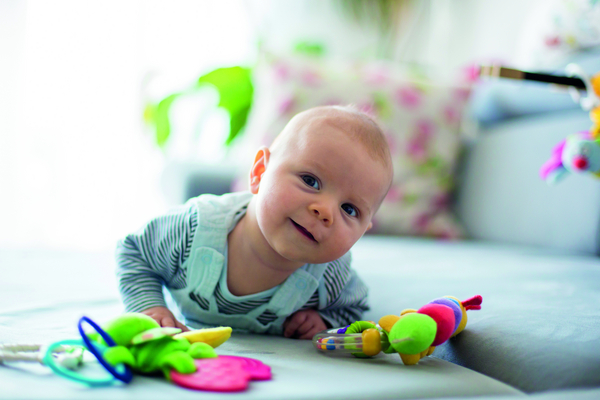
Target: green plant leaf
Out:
[161,119]
[234,85]
[309,48]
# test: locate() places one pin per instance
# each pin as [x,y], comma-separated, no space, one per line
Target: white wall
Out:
[440,33]
[77,167]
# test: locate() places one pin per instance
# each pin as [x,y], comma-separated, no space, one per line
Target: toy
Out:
[66,356]
[223,374]
[134,341]
[117,372]
[579,152]
[131,340]
[187,359]
[147,347]
[413,334]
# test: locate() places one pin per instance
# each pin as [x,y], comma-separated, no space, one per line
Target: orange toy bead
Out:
[371,339]
[386,322]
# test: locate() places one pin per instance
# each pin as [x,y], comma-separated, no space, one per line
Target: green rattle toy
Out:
[147,347]
[413,334]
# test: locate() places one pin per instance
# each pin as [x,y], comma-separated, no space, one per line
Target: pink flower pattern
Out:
[417,120]
[417,147]
[409,97]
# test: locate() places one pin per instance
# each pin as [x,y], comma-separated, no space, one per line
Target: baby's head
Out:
[320,183]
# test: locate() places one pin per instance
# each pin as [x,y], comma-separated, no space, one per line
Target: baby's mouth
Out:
[304,231]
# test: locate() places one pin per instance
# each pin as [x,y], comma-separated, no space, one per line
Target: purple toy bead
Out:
[455,308]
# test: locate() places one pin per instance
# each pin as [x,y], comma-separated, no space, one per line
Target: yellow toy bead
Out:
[407,311]
[463,322]
[410,359]
[371,342]
[386,322]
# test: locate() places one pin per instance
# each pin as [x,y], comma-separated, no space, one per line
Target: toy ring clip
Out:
[126,375]
[72,375]
[121,372]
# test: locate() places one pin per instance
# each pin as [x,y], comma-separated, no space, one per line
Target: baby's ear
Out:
[258,168]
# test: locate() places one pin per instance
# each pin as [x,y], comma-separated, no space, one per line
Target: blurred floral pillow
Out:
[420,120]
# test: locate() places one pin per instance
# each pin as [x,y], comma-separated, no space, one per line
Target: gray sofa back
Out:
[502,198]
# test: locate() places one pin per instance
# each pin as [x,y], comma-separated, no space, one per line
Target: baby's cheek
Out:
[343,244]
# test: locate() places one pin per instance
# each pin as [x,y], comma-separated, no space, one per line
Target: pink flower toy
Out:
[578,153]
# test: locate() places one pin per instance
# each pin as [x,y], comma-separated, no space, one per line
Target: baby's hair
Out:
[367,131]
[372,138]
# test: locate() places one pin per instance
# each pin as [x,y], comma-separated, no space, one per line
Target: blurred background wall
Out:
[79,168]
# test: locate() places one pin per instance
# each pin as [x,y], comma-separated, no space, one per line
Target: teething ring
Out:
[66,373]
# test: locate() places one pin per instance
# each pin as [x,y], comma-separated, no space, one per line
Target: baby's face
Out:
[318,194]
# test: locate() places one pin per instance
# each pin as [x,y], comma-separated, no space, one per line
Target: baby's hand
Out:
[303,324]
[164,317]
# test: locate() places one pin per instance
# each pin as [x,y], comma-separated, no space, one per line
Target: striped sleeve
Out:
[152,257]
[346,294]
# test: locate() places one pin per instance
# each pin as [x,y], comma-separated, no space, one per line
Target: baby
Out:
[275,259]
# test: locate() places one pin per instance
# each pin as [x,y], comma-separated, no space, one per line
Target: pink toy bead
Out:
[443,317]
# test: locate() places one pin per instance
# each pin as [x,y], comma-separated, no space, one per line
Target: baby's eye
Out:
[350,210]
[311,181]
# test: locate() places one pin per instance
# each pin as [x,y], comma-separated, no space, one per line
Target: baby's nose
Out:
[323,213]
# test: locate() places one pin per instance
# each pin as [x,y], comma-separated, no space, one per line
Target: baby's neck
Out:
[252,266]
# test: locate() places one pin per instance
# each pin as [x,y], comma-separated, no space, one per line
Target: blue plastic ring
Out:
[127,375]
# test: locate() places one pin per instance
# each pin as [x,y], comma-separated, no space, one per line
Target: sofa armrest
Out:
[182,181]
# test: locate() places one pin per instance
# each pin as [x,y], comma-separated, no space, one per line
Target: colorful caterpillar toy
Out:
[414,334]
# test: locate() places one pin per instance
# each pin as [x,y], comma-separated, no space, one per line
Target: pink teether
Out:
[257,370]
[223,374]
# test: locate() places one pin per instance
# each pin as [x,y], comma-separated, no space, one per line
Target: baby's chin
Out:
[315,259]
[301,256]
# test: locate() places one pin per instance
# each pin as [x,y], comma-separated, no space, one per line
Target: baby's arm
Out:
[151,258]
[346,301]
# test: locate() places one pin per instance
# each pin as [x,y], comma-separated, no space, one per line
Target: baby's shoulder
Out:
[214,207]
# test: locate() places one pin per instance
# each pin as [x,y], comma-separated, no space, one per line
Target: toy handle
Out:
[591,100]
[361,344]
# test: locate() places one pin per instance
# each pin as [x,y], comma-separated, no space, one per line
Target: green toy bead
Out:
[413,333]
